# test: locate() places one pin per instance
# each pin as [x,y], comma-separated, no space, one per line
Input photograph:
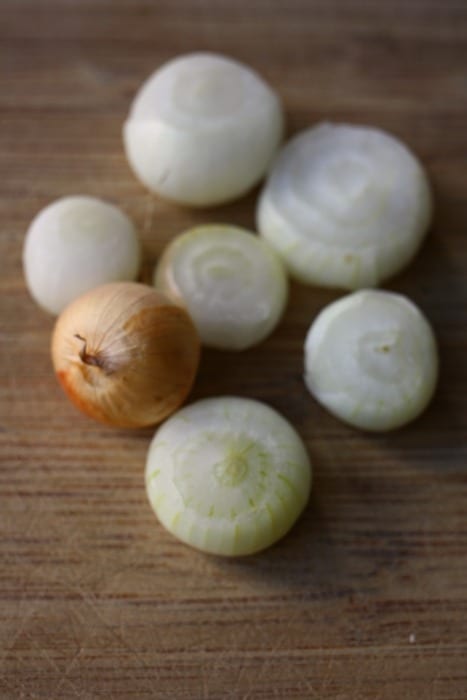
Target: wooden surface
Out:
[366,599]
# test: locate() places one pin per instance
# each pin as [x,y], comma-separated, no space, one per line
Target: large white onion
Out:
[228,475]
[345,206]
[203,129]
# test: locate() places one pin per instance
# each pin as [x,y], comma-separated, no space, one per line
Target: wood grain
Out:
[366,599]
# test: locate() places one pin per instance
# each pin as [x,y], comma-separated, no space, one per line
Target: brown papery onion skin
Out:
[125,354]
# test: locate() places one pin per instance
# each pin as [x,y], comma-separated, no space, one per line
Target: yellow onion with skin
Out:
[125,354]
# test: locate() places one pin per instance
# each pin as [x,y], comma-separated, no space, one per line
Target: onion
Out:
[230,281]
[125,354]
[345,206]
[75,244]
[228,475]
[371,360]
[203,130]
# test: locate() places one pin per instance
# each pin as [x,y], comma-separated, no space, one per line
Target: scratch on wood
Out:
[64,677]
[92,603]
[45,654]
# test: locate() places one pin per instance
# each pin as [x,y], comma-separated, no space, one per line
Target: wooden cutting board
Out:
[366,598]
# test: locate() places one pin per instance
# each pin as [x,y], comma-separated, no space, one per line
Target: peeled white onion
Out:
[371,359]
[345,206]
[125,354]
[203,129]
[230,281]
[75,244]
[228,475]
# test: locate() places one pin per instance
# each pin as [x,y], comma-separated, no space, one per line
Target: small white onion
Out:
[203,129]
[228,475]
[230,281]
[371,359]
[75,244]
[345,206]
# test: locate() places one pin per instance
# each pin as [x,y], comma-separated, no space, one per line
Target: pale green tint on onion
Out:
[74,244]
[232,283]
[371,359]
[228,475]
[345,206]
[203,129]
